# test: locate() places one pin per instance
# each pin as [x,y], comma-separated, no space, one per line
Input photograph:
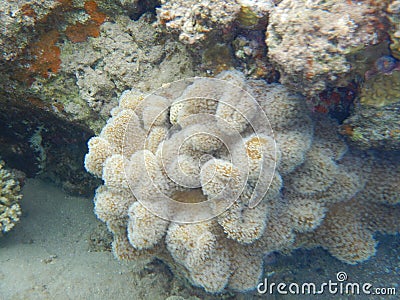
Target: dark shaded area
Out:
[142,7]
[337,102]
[36,141]
[345,106]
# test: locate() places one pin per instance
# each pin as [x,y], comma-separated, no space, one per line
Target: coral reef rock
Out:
[10,195]
[203,21]
[37,142]
[18,20]
[374,127]
[381,90]
[312,42]
[393,14]
[125,53]
[216,185]
[375,122]
[195,20]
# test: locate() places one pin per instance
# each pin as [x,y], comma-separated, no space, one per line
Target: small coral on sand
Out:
[194,175]
[10,196]
[195,20]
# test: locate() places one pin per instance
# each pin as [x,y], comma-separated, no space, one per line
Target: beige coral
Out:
[113,172]
[145,229]
[383,191]
[293,145]
[111,206]
[196,247]
[119,129]
[316,174]
[216,175]
[191,244]
[290,120]
[213,192]
[123,250]
[344,233]
[246,267]
[154,137]
[157,113]
[242,223]
[306,214]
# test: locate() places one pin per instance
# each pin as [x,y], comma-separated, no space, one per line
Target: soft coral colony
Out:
[319,192]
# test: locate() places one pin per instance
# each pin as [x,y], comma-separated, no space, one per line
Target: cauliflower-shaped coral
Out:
[10,196]
[187,159]
[348,230]
[214,188]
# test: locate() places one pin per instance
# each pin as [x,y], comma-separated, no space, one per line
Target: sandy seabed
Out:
[47,256]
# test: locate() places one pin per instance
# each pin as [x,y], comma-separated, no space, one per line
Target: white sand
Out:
[46,255]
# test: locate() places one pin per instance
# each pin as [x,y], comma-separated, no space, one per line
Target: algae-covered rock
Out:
[18,21]
[197,21]
[393,13]
[374,127]
[381,90]
[310,42]
[125,53]
[376,120]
